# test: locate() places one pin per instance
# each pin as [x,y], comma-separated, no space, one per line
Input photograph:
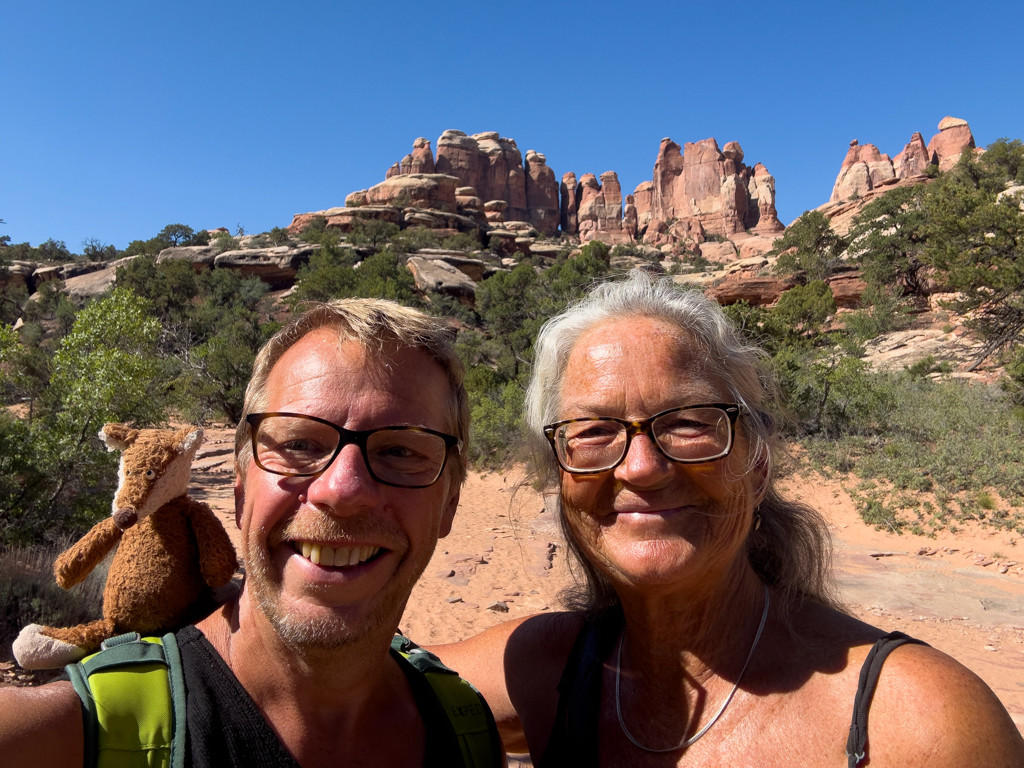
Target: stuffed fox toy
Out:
[171,550]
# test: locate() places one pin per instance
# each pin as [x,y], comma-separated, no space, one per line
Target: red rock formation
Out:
[599,209]
[863,169]
[458,155]
[417,190]
[710,186]
[568,217]
[501,173]
[643,199]
[914,158]
[953,138]
[668,183]
[761,190]
[587,193]
[541,194]
[866,169]
[422,157]
[629,219]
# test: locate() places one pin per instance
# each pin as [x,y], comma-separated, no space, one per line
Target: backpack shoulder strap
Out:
[133,703]
[465,708]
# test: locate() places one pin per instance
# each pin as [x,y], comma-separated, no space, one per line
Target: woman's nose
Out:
[643,463]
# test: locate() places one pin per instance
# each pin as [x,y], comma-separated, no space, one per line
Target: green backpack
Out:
[133,704]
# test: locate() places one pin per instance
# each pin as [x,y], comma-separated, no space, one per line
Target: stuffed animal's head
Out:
[156,465]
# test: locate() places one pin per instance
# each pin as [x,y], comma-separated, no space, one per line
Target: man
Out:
[358,418]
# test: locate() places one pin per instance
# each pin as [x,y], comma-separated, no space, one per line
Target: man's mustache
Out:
[362,529]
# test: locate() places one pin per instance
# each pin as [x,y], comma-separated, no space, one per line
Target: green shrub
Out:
[462,241]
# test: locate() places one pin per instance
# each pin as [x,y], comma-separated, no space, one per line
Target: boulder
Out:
[750,287]
[721,253]
[275,266]
[90,285]
[541,194]
[953,138]
[342,218]
[199,256]
[847,288]
[494,211]
[20,274]
[474,269]
[420,190]
[435,276]
[356,199]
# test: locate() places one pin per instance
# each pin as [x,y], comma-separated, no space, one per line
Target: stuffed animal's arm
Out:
[77,562]
[217,559]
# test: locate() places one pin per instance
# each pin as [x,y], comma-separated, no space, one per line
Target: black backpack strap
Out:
[856,744]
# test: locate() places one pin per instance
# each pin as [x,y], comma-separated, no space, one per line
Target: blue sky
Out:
[117,118]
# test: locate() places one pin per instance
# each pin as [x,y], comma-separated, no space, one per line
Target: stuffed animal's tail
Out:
[39,647]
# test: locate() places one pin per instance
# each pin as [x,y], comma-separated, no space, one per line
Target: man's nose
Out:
[346,485]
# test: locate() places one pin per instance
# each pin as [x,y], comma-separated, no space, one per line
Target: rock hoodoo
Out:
[865,168]
[698,191]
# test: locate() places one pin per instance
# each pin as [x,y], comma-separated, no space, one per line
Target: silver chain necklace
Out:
[718,714]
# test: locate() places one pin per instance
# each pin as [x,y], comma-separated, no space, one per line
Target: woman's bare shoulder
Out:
[930,709]
[516,665]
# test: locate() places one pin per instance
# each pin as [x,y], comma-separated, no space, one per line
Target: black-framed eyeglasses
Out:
[692,434]
[297,445]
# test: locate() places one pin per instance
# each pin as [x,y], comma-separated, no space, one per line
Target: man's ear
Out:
[448,516]
[239,500]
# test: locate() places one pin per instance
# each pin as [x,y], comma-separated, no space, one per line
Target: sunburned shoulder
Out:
[930,710]
[41,726]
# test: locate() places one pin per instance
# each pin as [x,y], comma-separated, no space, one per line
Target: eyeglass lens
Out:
[289,445]
[691,435]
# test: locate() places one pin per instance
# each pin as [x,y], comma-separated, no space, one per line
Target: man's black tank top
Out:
[227,730]
[574,737]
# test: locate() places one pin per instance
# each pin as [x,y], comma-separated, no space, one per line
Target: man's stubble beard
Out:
[327,631]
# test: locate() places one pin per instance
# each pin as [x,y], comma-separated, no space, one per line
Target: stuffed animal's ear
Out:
[190,441]
[117,437]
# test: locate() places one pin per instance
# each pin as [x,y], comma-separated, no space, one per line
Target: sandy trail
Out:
[504,558]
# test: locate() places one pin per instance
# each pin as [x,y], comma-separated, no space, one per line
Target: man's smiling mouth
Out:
[336,557]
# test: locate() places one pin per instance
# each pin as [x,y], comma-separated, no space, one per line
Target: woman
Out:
[705,629]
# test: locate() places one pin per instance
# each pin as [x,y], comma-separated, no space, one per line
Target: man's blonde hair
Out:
[380,327]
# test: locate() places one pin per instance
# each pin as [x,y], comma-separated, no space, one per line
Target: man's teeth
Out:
[321,554]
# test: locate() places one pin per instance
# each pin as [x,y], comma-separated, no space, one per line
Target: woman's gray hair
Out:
[791,550]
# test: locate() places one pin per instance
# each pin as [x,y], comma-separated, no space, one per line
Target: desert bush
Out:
[29,594]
